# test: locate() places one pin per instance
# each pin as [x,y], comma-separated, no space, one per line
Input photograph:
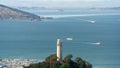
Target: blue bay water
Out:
[37,40]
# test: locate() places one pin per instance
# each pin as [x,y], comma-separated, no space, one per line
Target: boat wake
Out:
[91,21]
[77,15]
[92,43]
[96,43]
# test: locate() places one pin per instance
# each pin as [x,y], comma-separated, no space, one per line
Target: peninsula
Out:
[8,13]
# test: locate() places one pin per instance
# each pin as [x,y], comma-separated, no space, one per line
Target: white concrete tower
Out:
[59,50]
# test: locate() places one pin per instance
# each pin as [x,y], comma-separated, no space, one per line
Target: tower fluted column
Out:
[59,49]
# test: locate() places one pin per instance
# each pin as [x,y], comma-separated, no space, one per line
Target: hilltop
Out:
[8,13]
[67,62]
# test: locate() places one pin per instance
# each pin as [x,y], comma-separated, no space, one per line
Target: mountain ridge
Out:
[8,13]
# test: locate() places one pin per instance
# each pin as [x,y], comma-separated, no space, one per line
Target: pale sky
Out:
[62,3]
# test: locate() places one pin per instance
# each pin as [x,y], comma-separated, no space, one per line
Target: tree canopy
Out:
[51,62]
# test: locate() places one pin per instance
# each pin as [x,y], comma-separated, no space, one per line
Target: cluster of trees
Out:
[51,62]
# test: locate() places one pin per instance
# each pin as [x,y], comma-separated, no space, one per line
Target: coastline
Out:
[16,63]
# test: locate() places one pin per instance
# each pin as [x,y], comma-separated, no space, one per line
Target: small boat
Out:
[97,43]
[92,21]
[69,39]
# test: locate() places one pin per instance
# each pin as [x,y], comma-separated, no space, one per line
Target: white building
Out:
[59,50]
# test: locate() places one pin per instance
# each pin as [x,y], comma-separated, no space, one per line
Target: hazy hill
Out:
[8,13]
[107,8]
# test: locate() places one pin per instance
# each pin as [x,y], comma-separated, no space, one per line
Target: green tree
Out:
[51,62]
[78,59]
[80,62]
[52,57]
[56,65]
[68,57]
[65,65]
[44,65]
[88,65]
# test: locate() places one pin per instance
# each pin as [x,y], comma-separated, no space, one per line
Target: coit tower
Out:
[59,50]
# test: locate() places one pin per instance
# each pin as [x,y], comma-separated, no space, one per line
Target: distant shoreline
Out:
[17,63]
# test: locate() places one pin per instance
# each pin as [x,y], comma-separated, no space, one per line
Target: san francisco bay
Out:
[37,40]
